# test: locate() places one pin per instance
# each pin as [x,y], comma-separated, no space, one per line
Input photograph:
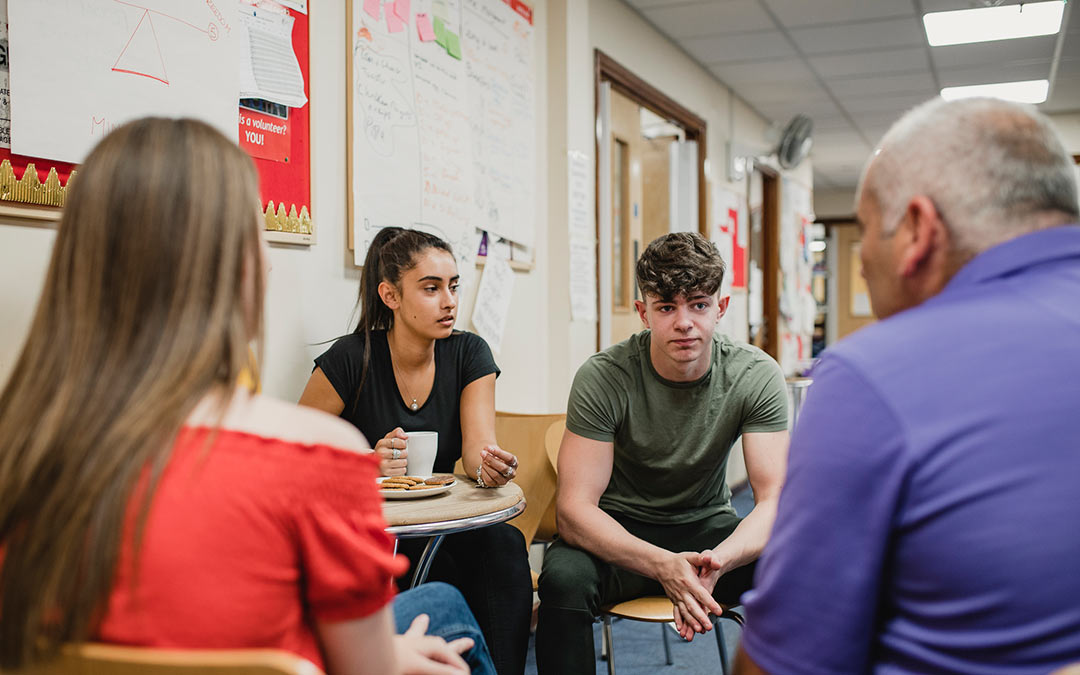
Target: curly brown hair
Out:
[679,263]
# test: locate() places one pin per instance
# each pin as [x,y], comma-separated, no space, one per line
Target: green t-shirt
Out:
[672,439]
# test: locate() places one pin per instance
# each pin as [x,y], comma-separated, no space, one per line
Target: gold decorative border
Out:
[281,226]
[29,189]
[288,227]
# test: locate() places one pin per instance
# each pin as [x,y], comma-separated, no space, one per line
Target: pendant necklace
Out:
[414,406]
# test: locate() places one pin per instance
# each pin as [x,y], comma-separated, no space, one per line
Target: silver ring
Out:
[397,454]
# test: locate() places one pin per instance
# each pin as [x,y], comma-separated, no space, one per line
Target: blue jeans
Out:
[450,619]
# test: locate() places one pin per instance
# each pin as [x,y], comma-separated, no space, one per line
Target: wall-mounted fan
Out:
[795,142]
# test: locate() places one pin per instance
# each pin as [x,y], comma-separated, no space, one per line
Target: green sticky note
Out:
[440,32]
[453,45]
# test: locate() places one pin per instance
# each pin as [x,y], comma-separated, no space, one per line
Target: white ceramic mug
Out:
[422,447]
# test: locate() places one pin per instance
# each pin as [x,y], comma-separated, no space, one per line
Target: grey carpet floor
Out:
[639,647]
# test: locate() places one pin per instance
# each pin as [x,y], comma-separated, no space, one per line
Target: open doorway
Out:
[650,181]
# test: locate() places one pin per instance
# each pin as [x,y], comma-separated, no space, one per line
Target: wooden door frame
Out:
[641,92]
[770,240]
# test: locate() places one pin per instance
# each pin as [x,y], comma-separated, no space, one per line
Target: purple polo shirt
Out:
[930,521]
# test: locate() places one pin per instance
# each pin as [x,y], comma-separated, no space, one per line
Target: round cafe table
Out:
[465,506]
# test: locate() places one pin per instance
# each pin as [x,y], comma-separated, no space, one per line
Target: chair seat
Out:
[654,608]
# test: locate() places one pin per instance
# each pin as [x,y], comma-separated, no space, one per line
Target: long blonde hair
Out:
[153,293]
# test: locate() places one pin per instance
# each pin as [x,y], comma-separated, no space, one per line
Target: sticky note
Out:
[393,23]
[401,8]
[372,8]
[440,32]
[453,45]
[424,29]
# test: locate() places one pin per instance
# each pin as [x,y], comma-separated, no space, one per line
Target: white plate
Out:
[414,494]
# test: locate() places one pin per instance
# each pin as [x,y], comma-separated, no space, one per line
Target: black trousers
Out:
[575,584]
[490,567]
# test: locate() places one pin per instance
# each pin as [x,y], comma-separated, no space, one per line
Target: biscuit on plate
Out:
[443,479]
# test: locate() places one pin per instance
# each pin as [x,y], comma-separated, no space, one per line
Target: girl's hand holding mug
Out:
[393,454]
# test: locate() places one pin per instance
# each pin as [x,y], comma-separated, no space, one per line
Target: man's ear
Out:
[922,234]
[389,295]
[723,303]
[639,305]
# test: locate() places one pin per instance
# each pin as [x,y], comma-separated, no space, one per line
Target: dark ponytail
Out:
[392,252]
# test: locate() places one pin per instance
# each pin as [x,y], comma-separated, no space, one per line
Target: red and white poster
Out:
[264,136]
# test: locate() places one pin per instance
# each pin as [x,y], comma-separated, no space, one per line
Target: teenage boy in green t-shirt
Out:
[643,505]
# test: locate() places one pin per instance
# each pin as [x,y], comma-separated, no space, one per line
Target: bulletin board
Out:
[35,187]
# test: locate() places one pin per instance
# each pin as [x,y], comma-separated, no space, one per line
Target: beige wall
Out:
[312,290]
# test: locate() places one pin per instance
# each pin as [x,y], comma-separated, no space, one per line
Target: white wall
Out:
[1068,125]
[836,203]
[312,290]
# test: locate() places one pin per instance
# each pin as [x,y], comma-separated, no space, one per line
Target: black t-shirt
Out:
[459,359]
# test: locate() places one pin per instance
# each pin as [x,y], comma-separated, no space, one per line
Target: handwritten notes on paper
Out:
[498,52]
[582,239]
[126,60]
[443,121]
[411,159]
[493,301]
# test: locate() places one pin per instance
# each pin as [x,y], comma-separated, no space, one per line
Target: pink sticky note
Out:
[393,23]
[423,27]
[401,8]
[372,8]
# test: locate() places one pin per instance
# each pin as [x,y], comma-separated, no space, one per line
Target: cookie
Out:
[395,489]
[397,483]
[444,479]
[421,486]
[414,479]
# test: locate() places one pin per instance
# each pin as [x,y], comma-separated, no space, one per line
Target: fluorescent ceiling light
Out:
[993,23]
[1029,91]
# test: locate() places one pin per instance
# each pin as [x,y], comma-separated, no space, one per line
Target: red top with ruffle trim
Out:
[250,540]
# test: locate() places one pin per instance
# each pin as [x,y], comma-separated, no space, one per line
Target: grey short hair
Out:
[989,166]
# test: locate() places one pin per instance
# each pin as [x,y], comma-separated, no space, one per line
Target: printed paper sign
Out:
[264,136]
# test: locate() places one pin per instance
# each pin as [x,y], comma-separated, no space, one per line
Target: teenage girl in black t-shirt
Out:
[406,368]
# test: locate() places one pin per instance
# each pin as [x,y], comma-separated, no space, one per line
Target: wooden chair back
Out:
[552,440]
[524,435]
[102,659]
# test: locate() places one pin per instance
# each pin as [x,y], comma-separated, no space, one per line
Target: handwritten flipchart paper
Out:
[411,163]
[443,144]
[84,67]
[493,301]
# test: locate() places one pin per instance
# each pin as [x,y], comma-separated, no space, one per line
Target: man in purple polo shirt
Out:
[930,521]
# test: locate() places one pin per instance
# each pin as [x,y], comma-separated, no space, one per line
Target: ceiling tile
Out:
[861,87]
[958,77]
[875,35]
[739,47]
[779,71]
[802,13]
[873,62]
[804,90]
[884,104]
[840,155]
[832,123]
[710,18]
[782,111]
[997,52]
[875,123]
[949,5]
